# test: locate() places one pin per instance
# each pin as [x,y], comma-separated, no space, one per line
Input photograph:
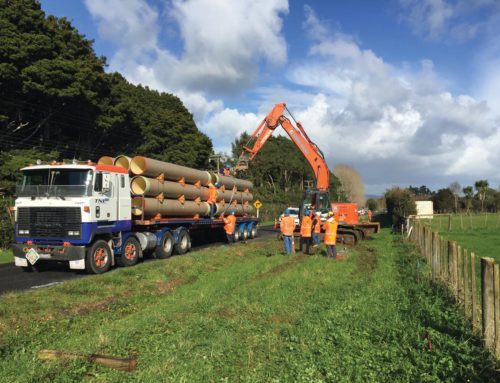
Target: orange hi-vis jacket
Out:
[306,227]
[317,225]
[330,227]
[212,195]
[287,225]
[230,223]
[226,172]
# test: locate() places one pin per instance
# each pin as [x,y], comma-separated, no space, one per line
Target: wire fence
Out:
[474,283]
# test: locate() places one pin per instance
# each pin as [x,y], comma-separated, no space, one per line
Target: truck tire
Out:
[98,258]
[131,252]
[166,246]
[253,232]
[244,233]
[183,243]
[237,234]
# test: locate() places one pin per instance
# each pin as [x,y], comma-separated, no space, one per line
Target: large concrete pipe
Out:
[105,160]
[122,161]
[142,166]
[230,182]
[151,187]
[238,209]
[230,196]
[168,208]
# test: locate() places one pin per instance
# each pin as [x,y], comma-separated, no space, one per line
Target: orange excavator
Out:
[349,230]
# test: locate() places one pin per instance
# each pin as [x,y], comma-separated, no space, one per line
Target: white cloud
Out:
[398,124]
[436,19]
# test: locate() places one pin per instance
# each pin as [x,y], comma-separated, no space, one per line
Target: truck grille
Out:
[49,221]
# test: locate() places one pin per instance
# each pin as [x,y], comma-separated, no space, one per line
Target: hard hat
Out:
[318,213]
[217,184]
[306,212]
[330,214]
[226,165]
[232,212]
[287,211]
[210,184]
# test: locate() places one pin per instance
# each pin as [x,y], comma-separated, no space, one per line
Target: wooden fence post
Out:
[450,264]
[449,222]
[454,263]
[466,298]
[460,274]
[474,300]
[496,297]
[488,302]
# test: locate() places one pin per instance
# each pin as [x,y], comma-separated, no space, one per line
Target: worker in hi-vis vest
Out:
[287,227]
[306,231]
[230,224]
[316,229]
[330,238]
[212,198]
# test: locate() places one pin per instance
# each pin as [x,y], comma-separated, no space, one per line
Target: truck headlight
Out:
[23,232]
[74,233]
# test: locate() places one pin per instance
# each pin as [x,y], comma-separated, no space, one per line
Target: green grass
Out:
[247,313]
[6,256]
[477,233]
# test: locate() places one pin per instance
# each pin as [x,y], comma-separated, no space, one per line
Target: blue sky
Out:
[405,91]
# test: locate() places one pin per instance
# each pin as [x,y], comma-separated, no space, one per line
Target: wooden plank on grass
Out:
[460,274]
[488,302]
[123,364]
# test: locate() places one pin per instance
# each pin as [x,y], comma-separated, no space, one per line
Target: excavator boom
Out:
[299,137]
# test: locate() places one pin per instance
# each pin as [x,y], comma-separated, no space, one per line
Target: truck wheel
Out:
[253,232]
[131,252]
[166,246]
[244,234]
[237,235]
[98,258]
[182,245]
[29,268]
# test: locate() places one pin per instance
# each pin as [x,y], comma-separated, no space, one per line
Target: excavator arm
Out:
[299,137]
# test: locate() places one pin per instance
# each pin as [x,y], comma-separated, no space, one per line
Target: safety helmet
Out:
[287,211]
[217,184]
[232,212]
[330,214]
[226,165]
[306,212]
[318,213]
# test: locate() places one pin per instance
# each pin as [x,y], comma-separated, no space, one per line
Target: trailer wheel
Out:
[244,234]
[183,243]
[237,235]
[98,258]
[166,246]
[131,252]
[253,232]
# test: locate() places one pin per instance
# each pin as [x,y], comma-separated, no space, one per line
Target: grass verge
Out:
[247,313]
[6,256]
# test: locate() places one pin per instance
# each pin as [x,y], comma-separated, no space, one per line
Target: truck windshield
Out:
[55,182]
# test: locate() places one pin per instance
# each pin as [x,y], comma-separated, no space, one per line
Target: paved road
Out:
[15,279]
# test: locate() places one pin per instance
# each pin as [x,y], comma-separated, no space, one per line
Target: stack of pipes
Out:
[165,190]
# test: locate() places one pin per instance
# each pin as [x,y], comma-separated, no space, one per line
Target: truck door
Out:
[124,200]
[106,198]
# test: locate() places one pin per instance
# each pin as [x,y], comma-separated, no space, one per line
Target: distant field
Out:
[247,313]
[6,256]
[477,233]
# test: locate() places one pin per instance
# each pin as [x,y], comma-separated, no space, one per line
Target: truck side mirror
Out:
[102,182]
[106,180]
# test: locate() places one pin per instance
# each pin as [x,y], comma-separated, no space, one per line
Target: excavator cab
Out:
[318,200]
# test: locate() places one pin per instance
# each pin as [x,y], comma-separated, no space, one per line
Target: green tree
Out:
[400,204]
[372,204]
[444,201]
[468,195]
[481,188]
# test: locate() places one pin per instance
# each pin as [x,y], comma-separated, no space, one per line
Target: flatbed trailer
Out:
[89,222]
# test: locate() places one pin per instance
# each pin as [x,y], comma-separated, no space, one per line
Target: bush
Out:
[400,204]
[6,225]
